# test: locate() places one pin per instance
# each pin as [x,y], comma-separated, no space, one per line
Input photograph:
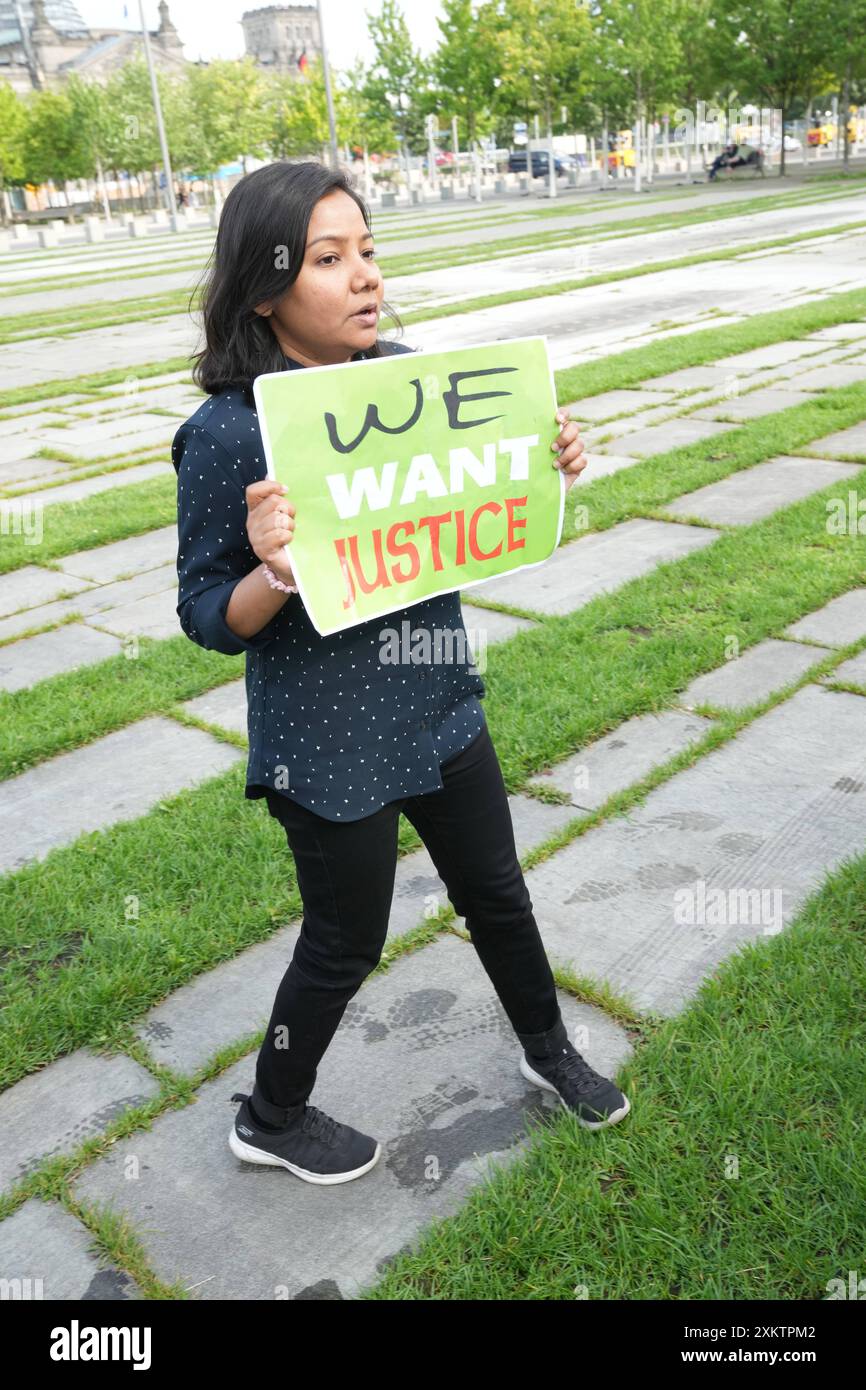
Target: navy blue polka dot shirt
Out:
[332,722]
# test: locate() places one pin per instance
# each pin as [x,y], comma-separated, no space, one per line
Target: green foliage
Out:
[497,61]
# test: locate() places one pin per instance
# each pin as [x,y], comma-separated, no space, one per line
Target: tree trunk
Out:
[103,191]
[846,97]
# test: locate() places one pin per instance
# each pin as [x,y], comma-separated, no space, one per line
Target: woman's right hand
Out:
[271,525]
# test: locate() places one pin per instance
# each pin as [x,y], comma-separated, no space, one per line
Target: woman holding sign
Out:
[341,741]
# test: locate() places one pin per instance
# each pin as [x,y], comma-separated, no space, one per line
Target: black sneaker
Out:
[594,1099]
[312,1145]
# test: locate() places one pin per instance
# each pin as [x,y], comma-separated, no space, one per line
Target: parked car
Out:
[540,163]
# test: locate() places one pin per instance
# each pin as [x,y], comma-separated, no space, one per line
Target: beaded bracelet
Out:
[277,583]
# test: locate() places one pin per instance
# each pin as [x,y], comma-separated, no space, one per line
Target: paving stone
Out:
[57,403]
[231,1001]
[17,468]
[31,586]
[174,394]
[754,404]
[92,599]
[495,627]
[746,679]
[839,332]
[828,378]
[852,671]
[850,443]
[225,706]
[619,759]
[115,778]
[94,437]
[596,564]
[756,492]
[603,466]
[774,355]
[611,403]
[839,622]
[710,376]
[673,434]
[178,378]
[106,562]
[55,1109]
[714,377]
[154,616]
[455,1106]
[24,425]
[43,1246]
[89,487]
[133,442]
[67,648]
[634,901]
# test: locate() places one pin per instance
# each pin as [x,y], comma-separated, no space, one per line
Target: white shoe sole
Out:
[249,1154]
[538,1080]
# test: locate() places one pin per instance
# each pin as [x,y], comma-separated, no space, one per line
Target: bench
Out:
[755,167]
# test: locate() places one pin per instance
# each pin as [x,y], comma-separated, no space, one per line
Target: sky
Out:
[211,28]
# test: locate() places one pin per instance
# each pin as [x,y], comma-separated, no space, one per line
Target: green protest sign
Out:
[413,474]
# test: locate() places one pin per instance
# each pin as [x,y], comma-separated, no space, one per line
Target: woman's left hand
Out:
[572,456]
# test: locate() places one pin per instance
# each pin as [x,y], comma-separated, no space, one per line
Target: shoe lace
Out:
[320,1125]
[577,1069]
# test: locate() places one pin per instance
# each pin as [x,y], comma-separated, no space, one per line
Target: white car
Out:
[791,143]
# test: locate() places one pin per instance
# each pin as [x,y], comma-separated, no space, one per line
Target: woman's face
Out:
[332,309]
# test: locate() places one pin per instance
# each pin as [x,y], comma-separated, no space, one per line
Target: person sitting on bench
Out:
[735,156]
[723,160]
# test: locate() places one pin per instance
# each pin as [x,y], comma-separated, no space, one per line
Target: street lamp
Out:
[163,143]
[329,96]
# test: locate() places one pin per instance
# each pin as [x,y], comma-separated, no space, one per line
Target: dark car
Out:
[540,163]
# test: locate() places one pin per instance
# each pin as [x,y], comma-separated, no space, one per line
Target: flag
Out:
[302,62]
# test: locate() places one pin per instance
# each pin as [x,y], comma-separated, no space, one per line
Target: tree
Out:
[397,77]
[94,119]
[230,114]
[643,37]
[13,121]
[847,26]
[777,50]
[465,63]
[543,49]
[54,146]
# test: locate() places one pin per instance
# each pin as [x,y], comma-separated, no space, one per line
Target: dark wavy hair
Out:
[268,208]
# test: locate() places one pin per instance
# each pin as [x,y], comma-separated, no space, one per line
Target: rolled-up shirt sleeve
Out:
[214,553]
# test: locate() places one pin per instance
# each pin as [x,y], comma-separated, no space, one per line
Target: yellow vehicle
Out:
[623,151]
[826,134]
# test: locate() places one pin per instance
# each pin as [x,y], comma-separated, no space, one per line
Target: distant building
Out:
[42,42]
[282,37]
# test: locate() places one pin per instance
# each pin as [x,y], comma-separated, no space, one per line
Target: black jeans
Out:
[346,873]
